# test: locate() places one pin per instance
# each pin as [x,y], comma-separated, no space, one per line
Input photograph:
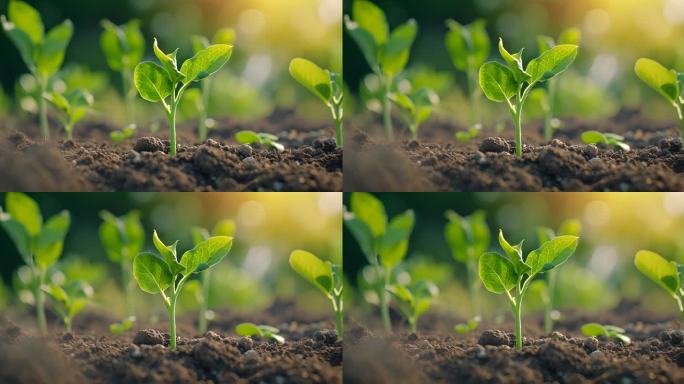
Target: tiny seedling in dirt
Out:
[123,238]
[572,36]
[512,84]
[69,300]
[125,325]
[266,139]
[159,273]
[471,325]
[468,238]
[325,276]
[383,243]
[667,274]
[469,47]
[124,47]
[609,139]
[263,331]
[608,331]
[166,84]
[39,243]
[43,53]
[669,83]
[503,273]
[224,36]
[414,300]
[415,108]
[323,83]
[222,228]
[72,106]
[386,53]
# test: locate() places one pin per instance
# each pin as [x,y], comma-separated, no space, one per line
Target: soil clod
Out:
[494,145]
[494,337]
[149,144]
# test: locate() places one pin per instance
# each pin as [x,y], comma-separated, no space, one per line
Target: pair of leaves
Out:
[667,274]
[610,139]
[468,237]
[609,331]
[265,331]
[414,300]
[73,105]
[664,81]
[70,299]
[416,106]
[267,139]
[122,237]
[123,45]
[468,45]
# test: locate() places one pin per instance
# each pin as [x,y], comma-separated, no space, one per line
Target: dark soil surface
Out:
[92,162]
[487,355]
[311,353]
[437,162]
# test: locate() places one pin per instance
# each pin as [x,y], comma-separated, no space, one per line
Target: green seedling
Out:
[669,83]
[249,137]
[513,83]
[544,234]
[157,83]
[263,331]
[225,36]
[123,134]
[468,238]
[43,53]
[465,136]
[471,325]
[68,301]
[124,47]
[222,228]
[570,36]
[414,300]
[123,238]
[325,276]
[125,325]
[159,273]
[323,83]
[503,273]
[609,139]
[383,243]
[608,331]
[667,274]
[415,108]
[72,106]
[386,53]
[469,47]
[39,243]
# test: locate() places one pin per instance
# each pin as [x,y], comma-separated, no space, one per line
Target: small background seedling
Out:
[72,107]
[610,139]
[608,331]
[471,325]
[414,300]
[263,331]
[249,137]
[68,300]
[415,107]
[125,325]
[669,83]
[667,274]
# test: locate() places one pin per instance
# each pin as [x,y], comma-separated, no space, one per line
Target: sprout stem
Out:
[382,297]
[171,309]
[412,324]
[517,117]
[42,108]
[172,129]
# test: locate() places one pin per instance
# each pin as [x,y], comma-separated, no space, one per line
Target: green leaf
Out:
[497,273]
[206,254]
[552,62]
[371,18]
[362,234]
[27,19]
[365,41]
[206,62]
[593,330]
[469,45]
[168,254]
[515,63]
[169,63]
[395,53]
[313,270]
[247,137]
[247,330]
[552,254]
[456,238]
[111,239]
[152,82]
[151,273]
[571,227]
[25,211]
[111,45]
[50,56]
[49,243]
[123,46]
[369,210]
[593,137]
[404,102]
[77,305]
[22,41]
[134,48]
[659,270]
[392,256]
[17,232]
[659,78]
[225,36]
[224,228]
[312,77]
[497,82]
[514,254]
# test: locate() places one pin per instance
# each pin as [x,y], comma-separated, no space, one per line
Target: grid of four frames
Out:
[484,227]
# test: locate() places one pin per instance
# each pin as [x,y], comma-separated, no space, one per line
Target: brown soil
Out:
[436,354]
[437,162]
[92,162]
[311,353]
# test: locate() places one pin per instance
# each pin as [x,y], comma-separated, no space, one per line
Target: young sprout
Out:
[224,36]
[68,301]
[666,82]
[386,53]
[222,228]
[160,273]
[610,139]
[415,108]
[469,47]
[323,83]
[608,331]
[414,300]
[43,53]
[571,36]
[513,83]
[73,107]
[123,238]
[468,238]
[124,47]
[249,137]
[384,244]
[166,84]
[501,274]
[125,325]
[667,274]
[39,243]
[471,325]
[263,331]
[325,276]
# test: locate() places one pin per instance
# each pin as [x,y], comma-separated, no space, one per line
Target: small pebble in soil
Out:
[672,144]
[245,344]
[250,162]
[674,337]
[493,337]
[326,336]
[149,144]
[148,337]
[495,145]
[590,151]
[597,355]
[245,150]
[590,344]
